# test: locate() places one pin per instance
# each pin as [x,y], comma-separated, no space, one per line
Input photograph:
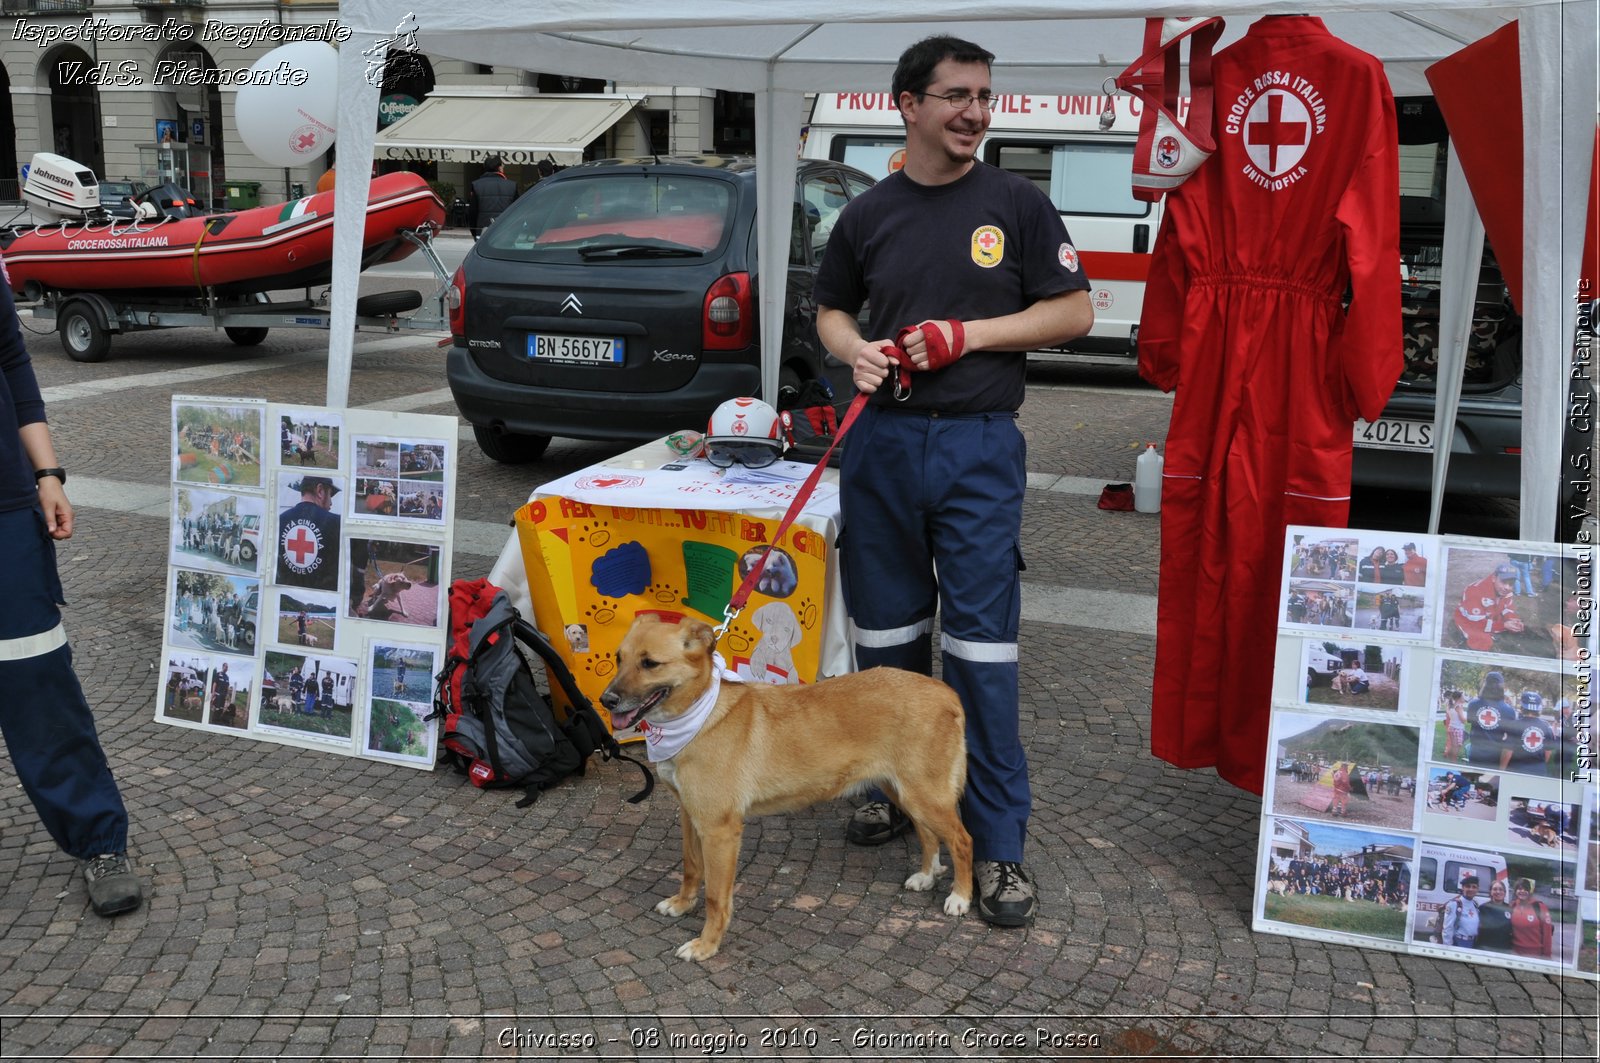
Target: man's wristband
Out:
[58,473]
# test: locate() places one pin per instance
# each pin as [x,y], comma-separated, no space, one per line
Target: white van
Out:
[1057,142]
[1440,869]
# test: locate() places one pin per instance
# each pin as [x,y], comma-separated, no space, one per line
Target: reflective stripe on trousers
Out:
[932,519]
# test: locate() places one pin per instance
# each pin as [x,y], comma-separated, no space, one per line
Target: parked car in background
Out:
[117,198]
[617,300]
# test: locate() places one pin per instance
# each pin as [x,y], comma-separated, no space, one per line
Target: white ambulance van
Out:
[1056,142]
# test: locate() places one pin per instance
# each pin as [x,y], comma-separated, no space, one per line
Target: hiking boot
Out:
[1005,893]
[113,887]
[876,822]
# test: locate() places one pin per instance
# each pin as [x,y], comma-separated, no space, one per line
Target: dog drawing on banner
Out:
[731,749]
[772,659]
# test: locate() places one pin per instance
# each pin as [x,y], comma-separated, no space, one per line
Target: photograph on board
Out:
[1513,604]
[307,551]
[1353,674]
[1347,769]
[217,443]
[1337,878]
[394,580]
[219,531]
[1490,900]
[308,695]
[309,438]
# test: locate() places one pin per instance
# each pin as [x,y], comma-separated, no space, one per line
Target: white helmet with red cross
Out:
[745,430]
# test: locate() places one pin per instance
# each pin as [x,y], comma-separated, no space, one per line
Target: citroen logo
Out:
[571,303]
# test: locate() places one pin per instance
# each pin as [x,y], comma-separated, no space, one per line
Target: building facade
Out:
[144,90]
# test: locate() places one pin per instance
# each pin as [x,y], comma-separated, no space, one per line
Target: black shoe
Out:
[876,822]
[113,887]
[1006,895]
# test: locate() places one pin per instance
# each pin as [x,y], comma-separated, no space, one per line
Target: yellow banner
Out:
[592,568]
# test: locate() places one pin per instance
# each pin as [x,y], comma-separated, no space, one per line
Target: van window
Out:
[1427,873]
[870,154]
[1455,870]
[1079,177]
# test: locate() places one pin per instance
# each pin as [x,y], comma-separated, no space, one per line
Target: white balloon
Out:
[287,112]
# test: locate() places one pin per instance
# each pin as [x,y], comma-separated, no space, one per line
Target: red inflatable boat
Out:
[288,245]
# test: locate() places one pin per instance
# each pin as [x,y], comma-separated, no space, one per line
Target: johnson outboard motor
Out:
[61,187]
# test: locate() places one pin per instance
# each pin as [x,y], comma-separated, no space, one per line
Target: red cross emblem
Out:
[1488,718]
[305,142]
[301,546]
[986,241]
[1533,739]
[1274,133]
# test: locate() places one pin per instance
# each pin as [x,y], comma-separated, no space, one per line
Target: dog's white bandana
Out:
[666,739]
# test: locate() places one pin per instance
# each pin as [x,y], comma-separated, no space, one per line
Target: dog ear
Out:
[699,633]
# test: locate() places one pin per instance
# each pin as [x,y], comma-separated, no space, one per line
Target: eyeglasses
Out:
[752,455]
[960,101]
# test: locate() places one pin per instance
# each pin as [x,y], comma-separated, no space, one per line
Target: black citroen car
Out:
[617,300]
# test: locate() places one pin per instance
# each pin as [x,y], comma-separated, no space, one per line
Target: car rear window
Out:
[616,216]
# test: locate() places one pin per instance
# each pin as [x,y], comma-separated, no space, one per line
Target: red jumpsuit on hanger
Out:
[1244,315]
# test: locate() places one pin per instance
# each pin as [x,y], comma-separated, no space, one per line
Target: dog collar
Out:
[664,740]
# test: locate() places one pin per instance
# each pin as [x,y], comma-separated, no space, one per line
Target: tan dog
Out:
[1545,834]
[383,601]
[764,749]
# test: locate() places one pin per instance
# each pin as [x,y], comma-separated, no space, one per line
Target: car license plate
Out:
[1393,433]
[577,350]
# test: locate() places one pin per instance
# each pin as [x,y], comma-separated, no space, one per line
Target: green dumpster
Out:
[242,195]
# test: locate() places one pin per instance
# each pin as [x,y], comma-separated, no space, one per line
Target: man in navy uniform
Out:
[48,725]
[308,537]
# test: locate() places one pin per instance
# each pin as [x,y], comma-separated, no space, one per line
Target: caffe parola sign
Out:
[510,156]
[394,107]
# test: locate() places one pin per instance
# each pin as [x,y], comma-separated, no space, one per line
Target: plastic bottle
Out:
[1147,481]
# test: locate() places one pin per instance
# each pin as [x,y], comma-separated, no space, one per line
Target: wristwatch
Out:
[58,473]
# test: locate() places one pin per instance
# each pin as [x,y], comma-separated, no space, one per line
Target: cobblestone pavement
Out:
[313,907]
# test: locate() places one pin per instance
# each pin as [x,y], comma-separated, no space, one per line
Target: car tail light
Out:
[729,314]
[456,299]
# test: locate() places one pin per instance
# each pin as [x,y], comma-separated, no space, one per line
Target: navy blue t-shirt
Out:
[20,405]
[986,245]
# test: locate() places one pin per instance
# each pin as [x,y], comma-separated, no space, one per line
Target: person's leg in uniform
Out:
[887,569]
[977,474]
[48,726]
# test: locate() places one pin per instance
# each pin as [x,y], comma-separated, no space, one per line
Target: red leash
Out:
[940,354]
[742,595]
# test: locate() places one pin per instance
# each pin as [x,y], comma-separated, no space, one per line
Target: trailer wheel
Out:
[246,335]
[387,304]
[85,339]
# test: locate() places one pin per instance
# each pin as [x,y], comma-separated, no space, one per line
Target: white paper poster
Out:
[1430,783]
[307,581]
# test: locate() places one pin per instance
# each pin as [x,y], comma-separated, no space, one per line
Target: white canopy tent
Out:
[779,51]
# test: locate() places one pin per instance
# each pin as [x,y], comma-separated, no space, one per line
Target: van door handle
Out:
[1141,239]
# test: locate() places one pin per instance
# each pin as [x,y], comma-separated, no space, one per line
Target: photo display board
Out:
[1432,728]
[308,561]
